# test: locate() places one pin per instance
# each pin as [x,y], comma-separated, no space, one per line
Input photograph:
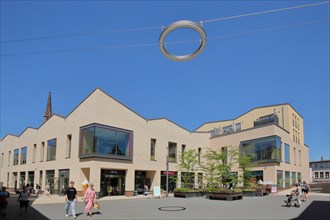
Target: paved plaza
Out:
[140,207]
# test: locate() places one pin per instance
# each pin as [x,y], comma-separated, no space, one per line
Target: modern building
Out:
[104,142]
[273,136]
[320,170]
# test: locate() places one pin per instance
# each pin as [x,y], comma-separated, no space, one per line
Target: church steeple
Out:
[48,112]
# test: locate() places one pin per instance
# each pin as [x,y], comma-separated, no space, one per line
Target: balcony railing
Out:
[266,120]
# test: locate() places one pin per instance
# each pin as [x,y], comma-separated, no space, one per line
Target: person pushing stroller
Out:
[294,196]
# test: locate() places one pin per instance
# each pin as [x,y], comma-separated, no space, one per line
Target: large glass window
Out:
[51,149]
[105,141]
[287,179]
[280,178]
[287,153]
[16,152]
[294,178]
[264,149]
[171,152]
[23,155]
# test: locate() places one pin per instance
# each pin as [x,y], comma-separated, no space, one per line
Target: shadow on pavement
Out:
[316,210]
[13,210]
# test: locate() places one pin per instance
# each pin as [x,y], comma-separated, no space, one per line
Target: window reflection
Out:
[100,140]
[262,149]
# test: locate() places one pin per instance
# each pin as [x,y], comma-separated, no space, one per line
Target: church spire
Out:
[48,112]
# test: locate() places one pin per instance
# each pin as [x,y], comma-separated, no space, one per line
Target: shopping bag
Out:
[96,205]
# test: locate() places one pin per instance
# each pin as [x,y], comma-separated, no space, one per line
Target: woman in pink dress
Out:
[89,198]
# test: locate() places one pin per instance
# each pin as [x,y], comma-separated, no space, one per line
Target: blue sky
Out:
[251,61]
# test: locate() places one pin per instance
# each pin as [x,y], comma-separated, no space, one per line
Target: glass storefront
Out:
[280,179]
[50,180]
[294,178]
[287,179]
[112,182]
[172,179]
[63,180]
[141,180]
[263,149]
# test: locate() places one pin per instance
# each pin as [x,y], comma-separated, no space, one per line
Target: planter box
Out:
[228,197]
[188,194]
[251,193]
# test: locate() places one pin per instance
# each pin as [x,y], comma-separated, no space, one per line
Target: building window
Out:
[51,149]
[153,149]
[34,153]
[238,126]
[298,138]
[172,152]
[68,146]
[224,154]
[9,158]
[23,155]
[227,129]
[327,175]
[16,152]
[263,149]
[294,136]
[287,179]
[299,157]
[42,151]
[321,175]
[292,119]
[294,178]
[105,141]
[299,177]
[199,155]
[316,175]
[280,178]
[183,150]
[287,153]
[298,123]
[294,156]
[2,157]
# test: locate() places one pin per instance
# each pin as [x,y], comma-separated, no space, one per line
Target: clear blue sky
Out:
[266,59]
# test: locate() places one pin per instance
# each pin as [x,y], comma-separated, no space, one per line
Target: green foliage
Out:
[185,190]
[217,166]
[188,165]
[246,164]
[220,190]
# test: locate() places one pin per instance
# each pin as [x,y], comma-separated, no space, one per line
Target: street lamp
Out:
[167,175]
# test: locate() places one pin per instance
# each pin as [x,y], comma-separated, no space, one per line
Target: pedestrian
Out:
[305,190]
[47,190]
[298,194]
[71,198]
[89,198]
[37,189]
[3,201]
[23,200]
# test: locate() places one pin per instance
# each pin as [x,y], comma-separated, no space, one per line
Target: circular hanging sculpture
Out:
[182,24]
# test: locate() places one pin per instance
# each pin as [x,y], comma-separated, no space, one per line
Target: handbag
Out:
[96,205]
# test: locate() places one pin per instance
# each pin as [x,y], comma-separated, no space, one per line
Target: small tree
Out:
[217,166]
[245,163]
[188,165]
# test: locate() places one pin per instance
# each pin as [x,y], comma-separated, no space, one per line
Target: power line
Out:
[265,12]
[160,27]
[168,43]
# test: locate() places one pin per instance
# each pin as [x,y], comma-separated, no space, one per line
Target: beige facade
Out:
[280,121]
[55,152]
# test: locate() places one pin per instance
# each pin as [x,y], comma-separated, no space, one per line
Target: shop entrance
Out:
[112,182]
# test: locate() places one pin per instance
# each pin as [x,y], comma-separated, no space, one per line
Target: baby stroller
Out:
[292,199]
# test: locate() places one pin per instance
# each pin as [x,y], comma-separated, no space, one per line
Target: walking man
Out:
[71,198]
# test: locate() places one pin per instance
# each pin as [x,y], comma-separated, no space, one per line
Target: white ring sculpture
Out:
[182,24]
